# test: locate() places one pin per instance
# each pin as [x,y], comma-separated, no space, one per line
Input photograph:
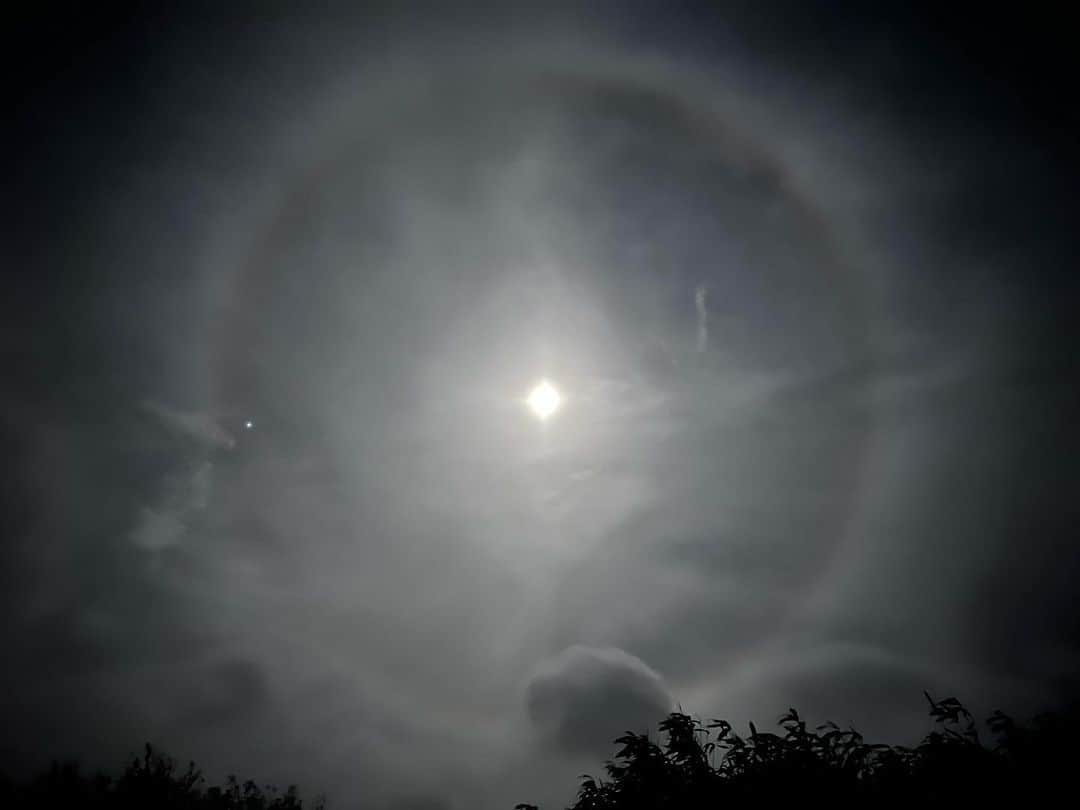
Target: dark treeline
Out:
[699,764]
[149,782]
[691,764]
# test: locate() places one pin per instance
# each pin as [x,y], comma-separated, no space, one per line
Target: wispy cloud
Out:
[186,490]
[183,494]
[584,696]
[199,426]
[701,302]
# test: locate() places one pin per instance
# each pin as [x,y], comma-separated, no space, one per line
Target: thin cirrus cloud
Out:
[787,469]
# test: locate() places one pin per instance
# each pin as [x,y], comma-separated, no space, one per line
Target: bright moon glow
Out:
[543,400]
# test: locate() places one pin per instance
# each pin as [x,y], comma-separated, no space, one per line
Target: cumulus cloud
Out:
[584,697]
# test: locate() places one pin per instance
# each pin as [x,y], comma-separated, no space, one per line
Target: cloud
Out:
[186,490]
[584,697]
[197,425]
[380,274]
[234,689]
[183,495]
[877,689]
[701,303]
[156,530]
[422,803]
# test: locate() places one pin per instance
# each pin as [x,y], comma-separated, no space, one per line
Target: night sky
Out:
[276,287]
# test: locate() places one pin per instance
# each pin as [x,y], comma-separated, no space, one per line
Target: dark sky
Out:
[276,285]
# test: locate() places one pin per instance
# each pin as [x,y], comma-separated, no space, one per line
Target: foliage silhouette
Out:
[691,764]
[150,781]
[708,765]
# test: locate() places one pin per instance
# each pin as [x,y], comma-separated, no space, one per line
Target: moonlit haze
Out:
[405,400]
[544,400]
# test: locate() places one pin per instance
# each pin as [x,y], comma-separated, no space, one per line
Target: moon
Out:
[544,400]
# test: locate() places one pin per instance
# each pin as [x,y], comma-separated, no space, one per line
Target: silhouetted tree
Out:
[690,764]
[151,781]
[709,765]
